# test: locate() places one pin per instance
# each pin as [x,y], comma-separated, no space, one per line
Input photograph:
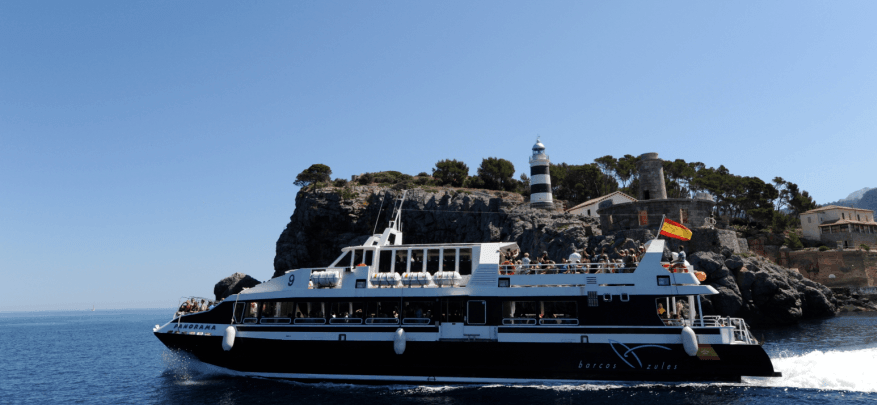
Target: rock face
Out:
[327,220]
[760,291]
[233,284]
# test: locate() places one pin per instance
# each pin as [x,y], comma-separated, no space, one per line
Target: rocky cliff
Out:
[326,220]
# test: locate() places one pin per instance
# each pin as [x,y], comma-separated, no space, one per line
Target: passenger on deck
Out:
[525,263]
[681,257]
[563,268]
[661,311]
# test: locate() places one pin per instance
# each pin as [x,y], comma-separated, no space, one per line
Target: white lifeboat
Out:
[328,278]
[420,279]
[444,278]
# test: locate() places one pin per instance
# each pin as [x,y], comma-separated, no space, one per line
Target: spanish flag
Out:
[675,230]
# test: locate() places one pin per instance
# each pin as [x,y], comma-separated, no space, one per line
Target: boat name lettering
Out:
[194,326]
[605,366]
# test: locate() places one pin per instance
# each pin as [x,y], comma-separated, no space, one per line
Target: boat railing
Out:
[382,321]
[519,321]
[285,321]
[559,321]
[310,321]
[563,268]
[740,332]
[416,321]
[251,320]
[347,321]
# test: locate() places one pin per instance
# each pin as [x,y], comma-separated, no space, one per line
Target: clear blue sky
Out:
[148,149]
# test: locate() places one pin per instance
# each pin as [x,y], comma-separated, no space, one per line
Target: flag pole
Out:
[663,217]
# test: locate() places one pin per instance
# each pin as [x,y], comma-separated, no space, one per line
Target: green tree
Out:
[497,174]
[451,172]
[608,166]
[625,169]
[316,174]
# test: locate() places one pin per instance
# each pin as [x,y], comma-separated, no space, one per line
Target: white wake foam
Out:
[825,370]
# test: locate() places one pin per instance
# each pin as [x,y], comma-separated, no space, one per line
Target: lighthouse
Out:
[540,179]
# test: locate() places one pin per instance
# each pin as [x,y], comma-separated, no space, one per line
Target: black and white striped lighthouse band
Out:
[540,188]
[537,170]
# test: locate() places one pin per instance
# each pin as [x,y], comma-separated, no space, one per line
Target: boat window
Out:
[383,312]
[452,310]
[401,265]
[671,310]
[477,314]
[251,315]
[385,263]
[520,312]
[416,261]
[346,312]
[559,313]
[343,261]
[465,268]
[239,311]
[417,312]
[368,257]
[432,260]
[276,312]
[310,313]
[449,260]
[357,257]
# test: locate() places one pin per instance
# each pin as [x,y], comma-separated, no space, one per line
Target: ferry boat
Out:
[387,312]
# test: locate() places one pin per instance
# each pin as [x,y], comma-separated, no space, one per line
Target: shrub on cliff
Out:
[317,173]
[793,241]
[497,174]
[451,172]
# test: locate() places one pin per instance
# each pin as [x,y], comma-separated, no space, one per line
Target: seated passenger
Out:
[661,311]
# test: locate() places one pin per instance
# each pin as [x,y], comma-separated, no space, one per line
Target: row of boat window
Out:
[406,312]
[411,260]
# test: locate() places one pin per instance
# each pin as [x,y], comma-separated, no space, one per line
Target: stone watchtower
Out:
[540,179]
[651,178]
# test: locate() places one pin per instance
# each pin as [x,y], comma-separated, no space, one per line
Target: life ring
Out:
[506,270]
[361,265]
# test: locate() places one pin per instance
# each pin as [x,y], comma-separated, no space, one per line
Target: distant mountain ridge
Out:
[854,197]
[865,198]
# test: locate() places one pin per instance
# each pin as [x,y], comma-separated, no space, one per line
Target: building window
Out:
[643,218]
[842,215]
[809,219]
[589,212]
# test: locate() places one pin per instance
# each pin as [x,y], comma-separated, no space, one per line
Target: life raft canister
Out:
[701,276]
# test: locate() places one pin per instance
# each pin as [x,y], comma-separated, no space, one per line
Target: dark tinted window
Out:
[465,261]
[477,313]
[432,260]
[386,262]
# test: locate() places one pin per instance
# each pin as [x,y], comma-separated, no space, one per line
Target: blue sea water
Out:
[112,357]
